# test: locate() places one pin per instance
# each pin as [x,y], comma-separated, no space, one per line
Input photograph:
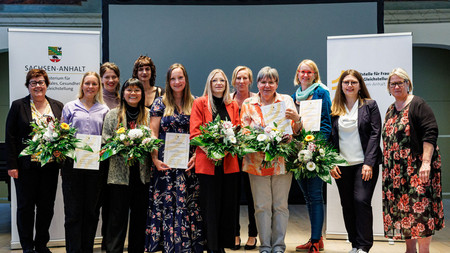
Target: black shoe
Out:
[236,247]
[28,251]
[250,247]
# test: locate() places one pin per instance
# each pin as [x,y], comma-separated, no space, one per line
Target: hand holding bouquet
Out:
[133,144]
[217,139]
[269,140]
[313,157]
[52,140]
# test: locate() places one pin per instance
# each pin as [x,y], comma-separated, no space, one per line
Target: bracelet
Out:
[298,121]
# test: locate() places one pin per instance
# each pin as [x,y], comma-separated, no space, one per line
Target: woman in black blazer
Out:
[35,185]
[355,133]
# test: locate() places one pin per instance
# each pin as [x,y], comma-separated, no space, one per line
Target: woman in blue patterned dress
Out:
[174,223]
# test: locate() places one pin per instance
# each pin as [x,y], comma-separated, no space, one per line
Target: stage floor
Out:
[297,233]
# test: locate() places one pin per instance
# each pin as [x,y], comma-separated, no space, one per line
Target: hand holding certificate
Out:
[274,114]
[88,160]
[310,111]
[176,150]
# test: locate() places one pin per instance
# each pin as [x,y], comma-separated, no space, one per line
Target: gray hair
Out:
[268,72]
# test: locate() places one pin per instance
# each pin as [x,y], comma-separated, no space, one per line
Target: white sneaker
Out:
[361,251]
[354,250]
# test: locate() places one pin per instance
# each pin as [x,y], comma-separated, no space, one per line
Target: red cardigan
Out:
[200,115]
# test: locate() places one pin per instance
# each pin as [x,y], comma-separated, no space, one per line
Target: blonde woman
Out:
[81,187]
[218,184]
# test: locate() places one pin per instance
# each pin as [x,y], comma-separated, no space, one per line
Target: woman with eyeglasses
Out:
[412,187]
[35,185]
[270,184]
[307,77]
[128,186]
[356,133]
[82,187]
[218,184]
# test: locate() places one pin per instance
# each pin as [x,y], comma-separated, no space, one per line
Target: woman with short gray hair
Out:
[270,185]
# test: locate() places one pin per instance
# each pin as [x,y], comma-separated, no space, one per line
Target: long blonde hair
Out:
[208,91]
[338,105]
[169,100]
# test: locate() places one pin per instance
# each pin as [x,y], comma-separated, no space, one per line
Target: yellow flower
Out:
[65,126]
[309,137]
[120,130]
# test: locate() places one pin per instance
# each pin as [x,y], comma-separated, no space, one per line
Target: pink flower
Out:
[430,223]
[227,124]
[415,181]
[406,223]
[418,207]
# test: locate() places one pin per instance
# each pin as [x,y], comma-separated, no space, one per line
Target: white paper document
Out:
[311,111]
[176,151]
[85,159]
[276,113]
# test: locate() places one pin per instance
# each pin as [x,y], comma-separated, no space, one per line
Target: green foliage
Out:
[133,144]
[53,141]
[312,156]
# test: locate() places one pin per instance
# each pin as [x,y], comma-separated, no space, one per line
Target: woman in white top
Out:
[355,132]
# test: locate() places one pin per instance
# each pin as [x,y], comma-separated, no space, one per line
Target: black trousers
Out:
[35,189]
[244,185]
[129,199]
[218,201]
[81,192]
[356,200]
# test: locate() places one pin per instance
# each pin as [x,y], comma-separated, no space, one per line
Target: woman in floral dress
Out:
[174,223]
[412,189]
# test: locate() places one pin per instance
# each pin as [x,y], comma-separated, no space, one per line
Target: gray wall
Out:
[206,37]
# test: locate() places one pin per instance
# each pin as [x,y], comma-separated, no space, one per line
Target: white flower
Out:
[146,140]
[55,135]
[227,124]
[304,155]
[135,133]
[322,152]
[278,139]
[311,166]
[268,129]
[215,126]
[36,137]
[48,136]
[273,134]
[122,137]
[261,137]
[232,139]
[229,132]
[311,147]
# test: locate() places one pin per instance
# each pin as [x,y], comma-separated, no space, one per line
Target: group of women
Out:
[197,209]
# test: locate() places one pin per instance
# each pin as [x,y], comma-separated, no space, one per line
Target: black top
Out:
[424,127]
[221,109]
[132,115]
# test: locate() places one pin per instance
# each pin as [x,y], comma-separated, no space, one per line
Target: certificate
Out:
[276,113]
[85,159]
[176,150]
[311,111]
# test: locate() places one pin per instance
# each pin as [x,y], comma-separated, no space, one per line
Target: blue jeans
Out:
[312,191]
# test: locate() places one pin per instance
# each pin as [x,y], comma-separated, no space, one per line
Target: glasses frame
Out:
[39,83]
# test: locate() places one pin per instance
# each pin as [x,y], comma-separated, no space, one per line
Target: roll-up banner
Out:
[65,55]
[374,56]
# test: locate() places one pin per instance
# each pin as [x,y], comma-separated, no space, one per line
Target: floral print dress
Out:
[411,209]
[174,223]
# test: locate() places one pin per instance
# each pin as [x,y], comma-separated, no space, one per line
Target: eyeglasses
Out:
[399,84]
[306,72]
[36,83]
[347,83]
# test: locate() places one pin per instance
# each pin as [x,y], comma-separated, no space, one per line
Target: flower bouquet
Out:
[52,140]
[133,144]
[218,138]
[313,156]
[269,140]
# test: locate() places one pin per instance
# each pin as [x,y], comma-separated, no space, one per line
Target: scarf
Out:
[303,95]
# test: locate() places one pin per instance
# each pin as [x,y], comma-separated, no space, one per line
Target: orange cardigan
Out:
[200,115]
